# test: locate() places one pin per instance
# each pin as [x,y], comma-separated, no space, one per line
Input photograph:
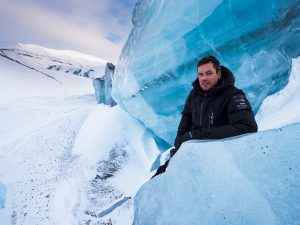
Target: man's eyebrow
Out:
[208,71]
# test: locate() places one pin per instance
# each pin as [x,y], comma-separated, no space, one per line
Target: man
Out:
[214,109]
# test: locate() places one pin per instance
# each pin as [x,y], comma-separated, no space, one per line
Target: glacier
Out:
[88,152]
[250,179]
[103,86]
[158,62]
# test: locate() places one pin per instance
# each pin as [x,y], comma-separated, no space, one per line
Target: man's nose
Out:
[204,77]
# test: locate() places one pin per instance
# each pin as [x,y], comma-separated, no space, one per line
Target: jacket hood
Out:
[227,80]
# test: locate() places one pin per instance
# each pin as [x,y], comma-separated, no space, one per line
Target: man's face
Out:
[208,76]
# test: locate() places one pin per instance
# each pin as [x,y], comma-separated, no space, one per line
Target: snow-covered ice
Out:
[283,107]
[115,153]
[66,160]
[253,179]
[63,158]
[2,195]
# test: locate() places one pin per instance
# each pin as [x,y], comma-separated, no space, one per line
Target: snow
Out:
[35,159]
[68,55]
[2,195]
[66,160]
[63,158]
[107,126]
[56,61]
[252,179]
[287,107]
[63,202]
[114,136]
[17,81]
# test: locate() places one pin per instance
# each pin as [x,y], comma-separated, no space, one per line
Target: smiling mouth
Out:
[205,84]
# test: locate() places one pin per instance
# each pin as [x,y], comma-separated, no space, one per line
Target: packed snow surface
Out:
[69,168]
[63,158]
[2,195]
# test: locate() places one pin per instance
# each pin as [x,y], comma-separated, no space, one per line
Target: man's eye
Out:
[209,73]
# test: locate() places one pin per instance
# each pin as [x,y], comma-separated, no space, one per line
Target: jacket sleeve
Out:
[241,121]
[185,122]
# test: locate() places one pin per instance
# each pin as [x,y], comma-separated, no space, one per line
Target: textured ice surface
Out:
[2,195]
[246,180]
[158,62]
[103,86]
[283,107]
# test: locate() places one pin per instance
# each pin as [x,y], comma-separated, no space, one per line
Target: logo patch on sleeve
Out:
[240,102]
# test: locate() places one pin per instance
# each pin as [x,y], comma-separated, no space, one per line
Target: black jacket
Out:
[222,112]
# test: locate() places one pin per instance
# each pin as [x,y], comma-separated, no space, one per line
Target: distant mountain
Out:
[33,71]
[45,60]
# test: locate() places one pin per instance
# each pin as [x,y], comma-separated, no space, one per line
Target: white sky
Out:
[95,27]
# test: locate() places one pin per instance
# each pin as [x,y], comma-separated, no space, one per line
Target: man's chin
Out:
[205,88]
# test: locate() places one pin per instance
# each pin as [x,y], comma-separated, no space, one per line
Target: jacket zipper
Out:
[201,109]
[211,118]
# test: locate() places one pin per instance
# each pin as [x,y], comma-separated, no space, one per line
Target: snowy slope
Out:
[64,159]
[24,73]
[18,81]
[35,159]
[50,61]
[29,97]
[126,150]
[50,182]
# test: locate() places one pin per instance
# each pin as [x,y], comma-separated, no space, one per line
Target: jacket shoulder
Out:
[234,91]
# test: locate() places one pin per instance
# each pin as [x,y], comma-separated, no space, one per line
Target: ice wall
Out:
[255,39]
[252,179]
[283,107]
[103,86]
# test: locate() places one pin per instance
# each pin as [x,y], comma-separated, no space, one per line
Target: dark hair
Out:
[210,59]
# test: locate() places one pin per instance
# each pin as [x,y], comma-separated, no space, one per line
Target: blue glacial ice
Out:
[2,195]
[253,179]
[103,86]
[255,39]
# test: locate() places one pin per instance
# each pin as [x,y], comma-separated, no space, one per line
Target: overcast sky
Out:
[96,27]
